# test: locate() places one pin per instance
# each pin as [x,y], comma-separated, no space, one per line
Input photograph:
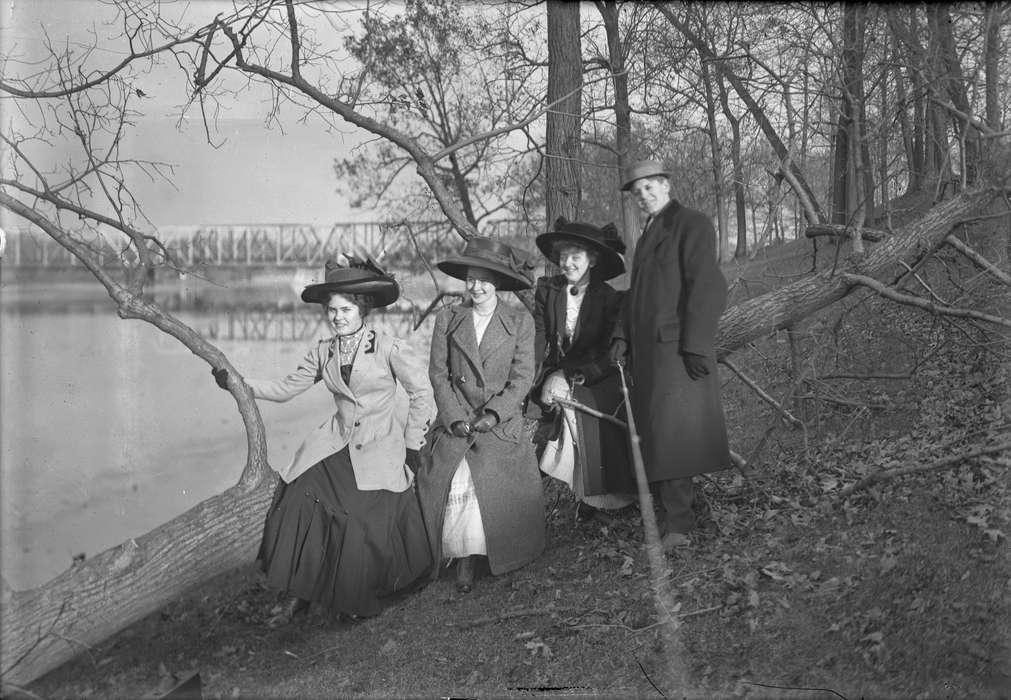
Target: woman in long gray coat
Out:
[479,485]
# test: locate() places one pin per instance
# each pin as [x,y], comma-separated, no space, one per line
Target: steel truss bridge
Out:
[267,245]
[296,324]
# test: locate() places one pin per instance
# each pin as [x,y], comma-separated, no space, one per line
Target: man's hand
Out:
[618,351]
[697,366]
[460,428]
[485,423]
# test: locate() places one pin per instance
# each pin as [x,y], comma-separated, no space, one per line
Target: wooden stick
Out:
[569,403]
[792,419]
[737,459]
[950,461]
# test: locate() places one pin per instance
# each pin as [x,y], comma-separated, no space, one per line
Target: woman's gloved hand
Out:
[485,423]
[413,460]
[460,428]
[220,376]
[697,366]
[555,386]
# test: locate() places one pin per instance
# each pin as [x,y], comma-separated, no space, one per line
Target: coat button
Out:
[357,423]
[358,446]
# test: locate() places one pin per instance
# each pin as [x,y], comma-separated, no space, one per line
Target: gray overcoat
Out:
[467,380]
[673,305]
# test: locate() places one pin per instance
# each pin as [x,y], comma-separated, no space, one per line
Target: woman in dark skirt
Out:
[574,316]
[345,528]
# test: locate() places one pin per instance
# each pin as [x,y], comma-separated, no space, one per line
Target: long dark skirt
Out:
[326,541]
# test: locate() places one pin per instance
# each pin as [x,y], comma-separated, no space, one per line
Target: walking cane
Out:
[654,551]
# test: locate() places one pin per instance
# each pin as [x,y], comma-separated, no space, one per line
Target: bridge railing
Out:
[273,245]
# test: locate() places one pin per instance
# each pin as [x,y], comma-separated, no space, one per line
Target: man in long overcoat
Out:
[675,297]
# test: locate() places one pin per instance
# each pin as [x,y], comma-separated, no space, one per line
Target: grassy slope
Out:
[899,591]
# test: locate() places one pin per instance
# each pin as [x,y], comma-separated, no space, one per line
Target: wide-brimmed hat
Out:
[604,240]
[512,268]
[641,169]
[351,274]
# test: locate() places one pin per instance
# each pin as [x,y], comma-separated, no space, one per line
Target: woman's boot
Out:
[465,574]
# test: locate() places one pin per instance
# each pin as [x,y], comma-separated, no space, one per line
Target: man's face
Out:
[651,193]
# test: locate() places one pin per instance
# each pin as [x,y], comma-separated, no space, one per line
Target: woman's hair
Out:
[362,301]
[558,246]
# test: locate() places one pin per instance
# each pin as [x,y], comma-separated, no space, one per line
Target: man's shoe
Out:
[673,541]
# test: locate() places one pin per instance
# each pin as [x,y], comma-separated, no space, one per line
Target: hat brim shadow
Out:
[507,279]
[382,291]
[610,264]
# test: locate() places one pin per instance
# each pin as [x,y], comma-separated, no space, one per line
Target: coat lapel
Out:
[461,331]
[500,329]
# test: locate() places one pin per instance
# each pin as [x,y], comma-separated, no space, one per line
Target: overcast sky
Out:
[258,175]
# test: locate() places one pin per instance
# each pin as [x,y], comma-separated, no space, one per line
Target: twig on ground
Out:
[650,679]
[510,615]
[950,461]
[792,419]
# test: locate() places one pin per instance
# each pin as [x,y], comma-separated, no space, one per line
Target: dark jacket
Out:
[588,352]
[468,379]
[603,448]
[673,305]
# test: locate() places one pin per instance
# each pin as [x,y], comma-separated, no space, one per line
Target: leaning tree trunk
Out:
[47,626]
[782,308]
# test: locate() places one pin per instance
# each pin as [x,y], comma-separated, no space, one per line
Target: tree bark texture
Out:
[740,208]
[630,227]
[563,138]
[48,625]
[953,84]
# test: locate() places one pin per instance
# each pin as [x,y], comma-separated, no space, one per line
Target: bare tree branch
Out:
[921,303]
[945,462]
[968,252]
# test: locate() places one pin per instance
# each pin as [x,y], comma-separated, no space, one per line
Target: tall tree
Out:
[563,136]
[622,115]
[852,192]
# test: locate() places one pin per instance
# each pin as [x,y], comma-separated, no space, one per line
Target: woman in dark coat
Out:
[574,317]
[345,527]
[480,489]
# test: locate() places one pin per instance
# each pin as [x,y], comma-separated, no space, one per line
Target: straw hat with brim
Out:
[511,268]
[604,241]
[358,277]
[641,169]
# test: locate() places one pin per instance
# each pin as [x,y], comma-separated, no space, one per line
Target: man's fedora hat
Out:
[512,269]
[354,275]
[605,241]
[641,169]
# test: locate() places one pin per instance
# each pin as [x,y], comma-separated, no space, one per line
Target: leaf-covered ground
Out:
[789,590]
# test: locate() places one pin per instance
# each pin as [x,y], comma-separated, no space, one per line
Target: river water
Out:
[110,427]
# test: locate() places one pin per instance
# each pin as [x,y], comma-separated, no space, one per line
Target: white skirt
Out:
[463,529]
